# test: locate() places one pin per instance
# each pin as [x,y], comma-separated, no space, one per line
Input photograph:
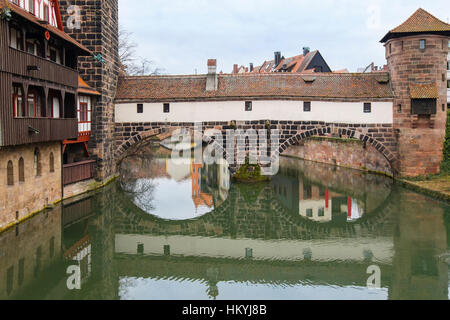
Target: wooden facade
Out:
[37,72]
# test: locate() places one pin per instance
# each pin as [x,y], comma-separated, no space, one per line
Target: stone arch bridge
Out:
[381,138]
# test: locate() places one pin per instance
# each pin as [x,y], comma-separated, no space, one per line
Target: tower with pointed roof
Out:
[416,52]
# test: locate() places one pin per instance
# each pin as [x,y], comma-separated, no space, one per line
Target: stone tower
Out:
[416,53]
[94,23]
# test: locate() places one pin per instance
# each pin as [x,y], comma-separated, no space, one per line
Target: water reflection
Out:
[250,241]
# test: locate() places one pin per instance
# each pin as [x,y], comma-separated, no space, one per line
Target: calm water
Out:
[184,231]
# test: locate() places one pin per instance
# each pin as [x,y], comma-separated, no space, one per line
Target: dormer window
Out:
[422,44]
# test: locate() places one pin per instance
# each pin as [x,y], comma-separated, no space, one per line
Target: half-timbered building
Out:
[38,105]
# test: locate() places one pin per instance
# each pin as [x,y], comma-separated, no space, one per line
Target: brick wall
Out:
[420,138]
[99,33]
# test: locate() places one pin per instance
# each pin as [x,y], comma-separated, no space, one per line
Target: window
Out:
[140,108]
[55,107]
[140,248]
[399,108]
[422,44]
[367,107]
[167,250]
[21,170]
[34,102]
[54,55]
[309,213]
[16,40]
[248,253]
[321,212]
[9,280]
[52,162]
[423,106]
[31,6]
[37,162]
[306,106]
[84,117]
[166,108]
[21,270]
[46,13]
[52,247]
[248,106]
[10,173]
[448,84]
[17,94]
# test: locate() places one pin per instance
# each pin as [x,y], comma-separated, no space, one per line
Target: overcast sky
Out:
[180,35]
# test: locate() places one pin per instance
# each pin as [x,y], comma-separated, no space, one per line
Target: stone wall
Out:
[345,153]
[381,137]
[99,33]
[24,198]
[420,138]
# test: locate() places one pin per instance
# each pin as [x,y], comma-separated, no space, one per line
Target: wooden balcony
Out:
[78,171]
[32,130]
[16,62]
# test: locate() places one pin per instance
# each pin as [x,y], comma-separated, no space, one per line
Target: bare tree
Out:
[130,63]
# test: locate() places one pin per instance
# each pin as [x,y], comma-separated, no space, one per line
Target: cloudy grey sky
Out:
[180,35]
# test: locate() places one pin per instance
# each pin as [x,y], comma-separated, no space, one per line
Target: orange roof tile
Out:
[423,91]
[420,22]
[83,87]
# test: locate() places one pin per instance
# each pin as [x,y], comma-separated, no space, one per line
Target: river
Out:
[167,230]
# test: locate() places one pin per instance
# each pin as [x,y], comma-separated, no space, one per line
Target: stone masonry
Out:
[381,137]
[420,137]
[99,33]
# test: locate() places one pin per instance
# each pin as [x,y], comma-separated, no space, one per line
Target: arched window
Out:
[52,162]
[10,173]
[21,170]
[37,162]
[17,96]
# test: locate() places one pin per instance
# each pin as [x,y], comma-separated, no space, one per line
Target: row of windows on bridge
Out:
[37,166]
[249,107]
[35,104]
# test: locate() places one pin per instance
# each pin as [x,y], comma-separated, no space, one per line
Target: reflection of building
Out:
[314,201]
[201,199]
[27,252]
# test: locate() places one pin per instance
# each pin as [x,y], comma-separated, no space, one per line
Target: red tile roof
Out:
[259,86]
[55,31]
[294,64]
[420,22]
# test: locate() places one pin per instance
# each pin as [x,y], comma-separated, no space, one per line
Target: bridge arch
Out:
[288,138]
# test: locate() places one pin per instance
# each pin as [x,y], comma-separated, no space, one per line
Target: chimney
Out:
[305,50]
[235,69]
[277,58]
[211,78]
[251,67]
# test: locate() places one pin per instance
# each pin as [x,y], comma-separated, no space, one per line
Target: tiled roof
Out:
[420,22]
[32,18]
[83,87]
[262,86]
[294,64]
[423,91]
